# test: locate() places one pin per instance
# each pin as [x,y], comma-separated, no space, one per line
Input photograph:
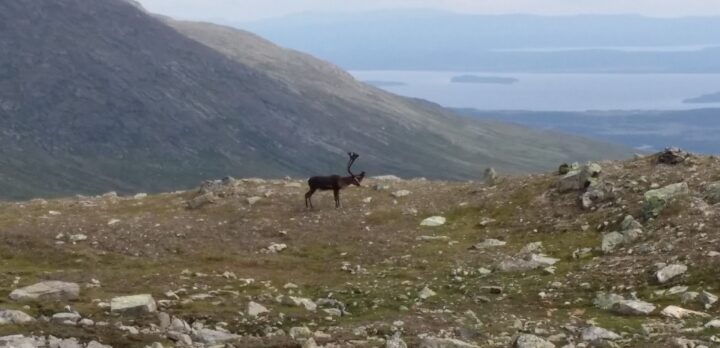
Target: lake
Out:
[552,92]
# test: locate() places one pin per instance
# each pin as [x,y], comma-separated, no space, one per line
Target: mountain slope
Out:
[101,96]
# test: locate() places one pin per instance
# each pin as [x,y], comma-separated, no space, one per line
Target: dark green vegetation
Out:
[693,130]
[99,95]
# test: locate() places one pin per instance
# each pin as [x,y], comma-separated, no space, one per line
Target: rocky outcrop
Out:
[672,156]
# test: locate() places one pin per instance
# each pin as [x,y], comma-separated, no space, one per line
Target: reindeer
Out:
[334,182]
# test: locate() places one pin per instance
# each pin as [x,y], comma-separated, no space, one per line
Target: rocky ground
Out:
[616,254]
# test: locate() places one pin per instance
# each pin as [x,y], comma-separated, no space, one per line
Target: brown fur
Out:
[334,183]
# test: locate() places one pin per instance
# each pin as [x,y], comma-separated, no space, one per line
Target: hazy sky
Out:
[258,9]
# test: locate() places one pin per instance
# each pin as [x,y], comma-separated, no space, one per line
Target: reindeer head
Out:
[357,179]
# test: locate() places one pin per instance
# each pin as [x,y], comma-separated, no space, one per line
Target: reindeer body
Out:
[334,183]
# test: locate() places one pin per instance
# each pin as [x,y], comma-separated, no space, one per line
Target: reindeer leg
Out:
[308,198]
[336,193]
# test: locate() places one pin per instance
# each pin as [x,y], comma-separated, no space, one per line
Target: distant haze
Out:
[247,10]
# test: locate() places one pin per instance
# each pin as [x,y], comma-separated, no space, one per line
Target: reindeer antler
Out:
[353,157]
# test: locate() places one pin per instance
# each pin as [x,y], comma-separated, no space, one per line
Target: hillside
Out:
[631,261]
[102,96]
[646,130]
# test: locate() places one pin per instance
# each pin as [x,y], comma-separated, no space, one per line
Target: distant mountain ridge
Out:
[101,96]
[429,40]
[705,98]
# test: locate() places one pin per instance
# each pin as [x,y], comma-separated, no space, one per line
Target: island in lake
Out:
[707,98]
[484,79]
[385,83]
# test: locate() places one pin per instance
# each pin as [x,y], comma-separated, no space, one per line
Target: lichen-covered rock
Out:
[575,180]
[254,309]
[594,333]
[434,342]
[611,241]
[433,221]
[48,290]
[632,307]
[606,300]
[669,272]
[136,304]
[14,317]
[490,177]
[200,201]
[656,200]
[712,193]
[526,263]
[681,313]
[531,341]
[209,336]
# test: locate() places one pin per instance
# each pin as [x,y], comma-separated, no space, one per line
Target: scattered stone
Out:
[48,290]
[632,307]
[490,177]
[252,200]
[594,333]
[66,318]
[307,303]
[395,342]
[575,180]
[529,248]
[432,238]
[606,300]
[209,336]
[276,248]
[707,299]
[681,313]
[713,324]
[78,238]
[629,223]
[656,200]
[200,201]
[567,168]
[10,316]
[689,297]
[387,178]
[96,344]
[679,289]
[401,193]
[527,263]
[611,241]
[433,221]
[531,341]
[310,343]
[300,333]
[426,293]
[669,272]
[133,305]
[712,193]
[434,342]
[489,243]
[254,309]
